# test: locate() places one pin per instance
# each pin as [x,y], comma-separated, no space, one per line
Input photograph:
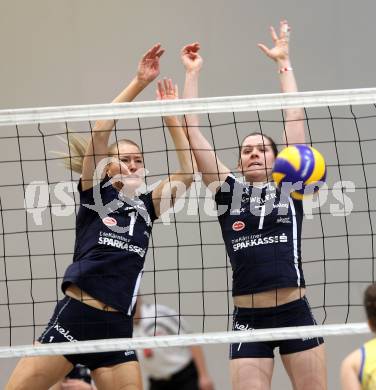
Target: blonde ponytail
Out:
[77,145]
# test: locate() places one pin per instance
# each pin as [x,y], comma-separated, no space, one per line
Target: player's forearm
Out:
[203,152]
[126,95]
[131,91]
[184,154]
[288,84]
[199,360]
[191,84]
[294,117]
[191,92]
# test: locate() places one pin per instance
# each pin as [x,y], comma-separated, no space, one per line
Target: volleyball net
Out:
[186,266]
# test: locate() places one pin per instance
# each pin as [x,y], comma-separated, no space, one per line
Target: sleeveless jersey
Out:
[261,228]
[112,236]
[367,374]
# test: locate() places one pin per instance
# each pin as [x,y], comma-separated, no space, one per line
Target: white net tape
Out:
[185,340]
[188,106]
[11,117]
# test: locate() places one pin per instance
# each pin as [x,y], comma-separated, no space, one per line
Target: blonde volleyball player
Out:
[112,234]
[262,233]
[358,370]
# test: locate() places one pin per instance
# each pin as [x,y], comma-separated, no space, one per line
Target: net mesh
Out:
[186,266]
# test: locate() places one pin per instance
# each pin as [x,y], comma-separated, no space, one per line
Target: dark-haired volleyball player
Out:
[112,234]
[358,370]
[262,232]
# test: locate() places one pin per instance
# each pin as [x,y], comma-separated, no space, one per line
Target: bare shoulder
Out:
[350,371]
[352,361]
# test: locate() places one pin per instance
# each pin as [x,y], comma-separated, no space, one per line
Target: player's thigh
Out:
[307,369]
[124,376]
[38,373]
[251,373]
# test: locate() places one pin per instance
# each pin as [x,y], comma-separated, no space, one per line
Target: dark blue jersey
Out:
[112,236]
[261,228]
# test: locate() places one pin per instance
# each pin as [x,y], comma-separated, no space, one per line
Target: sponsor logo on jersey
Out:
[308,338]
[241,327]
[238,225]
[122,245]
[64,333]
[280,205]
[284,220]
[238,326]
[109,221]
[260,241]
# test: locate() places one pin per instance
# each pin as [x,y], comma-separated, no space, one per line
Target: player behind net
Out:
[264,249]
[113,226]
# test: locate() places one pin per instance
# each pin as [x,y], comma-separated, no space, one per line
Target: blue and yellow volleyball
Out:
[300,164]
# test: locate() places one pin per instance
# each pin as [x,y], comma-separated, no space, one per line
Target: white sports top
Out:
[159,320]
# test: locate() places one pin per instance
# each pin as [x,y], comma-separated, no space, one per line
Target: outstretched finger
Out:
[152,51]
[273,34]
[159,53]
[264,48]
[284,29]
[194,47]
[176,91]
[158,94]
[165,85]
[170,86]
[160,90]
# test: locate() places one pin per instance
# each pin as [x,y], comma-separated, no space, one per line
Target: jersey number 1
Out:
[262,215]
[133,217]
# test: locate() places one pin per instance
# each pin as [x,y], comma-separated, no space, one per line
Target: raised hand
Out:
[190,57]
[148,67]
[166,90]
[280,51]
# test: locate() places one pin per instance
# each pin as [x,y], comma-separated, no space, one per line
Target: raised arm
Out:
[192,62]
[175,185]
[213,171]
[97,150]
[294,128]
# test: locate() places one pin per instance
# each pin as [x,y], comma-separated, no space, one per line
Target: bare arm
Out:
[176,184]
[208,164]
[97,150]
[350,370]
[192,62]
[294,128]
[204,380]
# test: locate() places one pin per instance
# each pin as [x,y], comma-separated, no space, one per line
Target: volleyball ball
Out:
[300,164]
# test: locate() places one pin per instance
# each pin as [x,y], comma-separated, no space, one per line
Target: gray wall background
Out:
[81,52]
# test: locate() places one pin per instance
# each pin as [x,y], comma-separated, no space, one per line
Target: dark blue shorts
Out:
[74,321]
[296,313]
